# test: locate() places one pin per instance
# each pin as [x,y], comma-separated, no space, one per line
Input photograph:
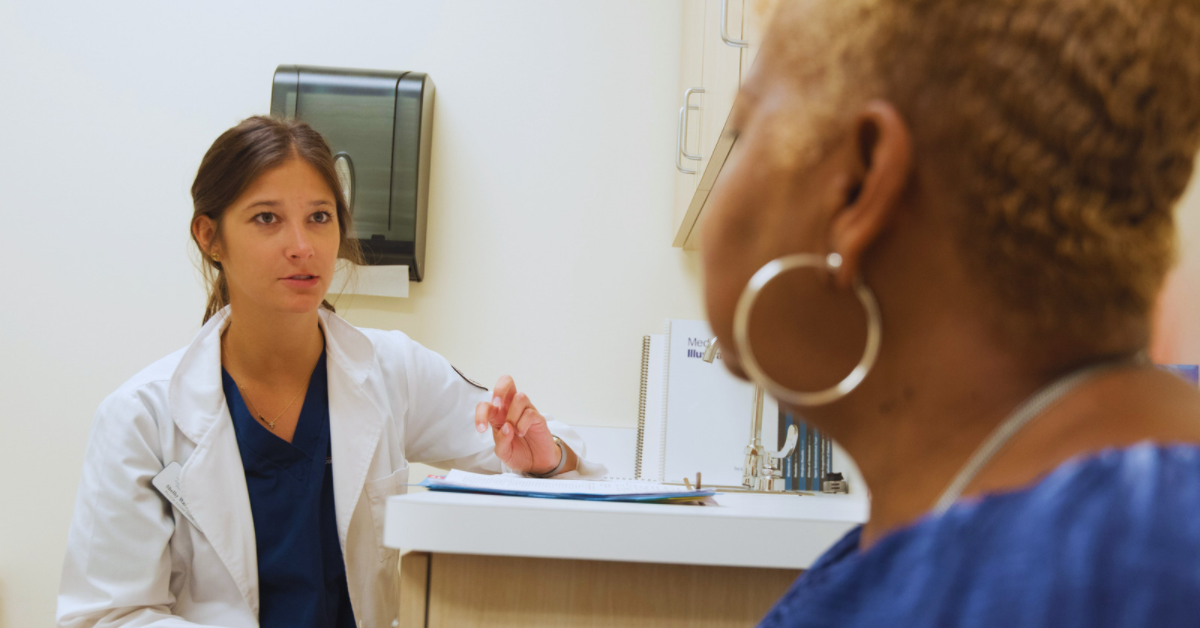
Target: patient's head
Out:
[1014,162]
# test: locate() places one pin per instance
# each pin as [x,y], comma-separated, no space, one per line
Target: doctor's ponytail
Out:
[238,157]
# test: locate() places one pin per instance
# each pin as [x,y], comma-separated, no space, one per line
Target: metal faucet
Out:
[763,468]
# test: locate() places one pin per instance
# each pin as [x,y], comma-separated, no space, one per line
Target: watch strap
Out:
[562,460]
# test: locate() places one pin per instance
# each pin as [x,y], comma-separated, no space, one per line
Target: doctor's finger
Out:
[504,442]
[483,415]
[520,403]
[502,397]
[529,418]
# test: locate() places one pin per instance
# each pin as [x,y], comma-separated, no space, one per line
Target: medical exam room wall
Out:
[549,229]
[1177,321]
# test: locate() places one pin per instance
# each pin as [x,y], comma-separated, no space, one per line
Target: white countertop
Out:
[744,530]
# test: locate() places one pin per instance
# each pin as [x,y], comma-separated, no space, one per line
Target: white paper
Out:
[708,411]
[377,281]
[510,482]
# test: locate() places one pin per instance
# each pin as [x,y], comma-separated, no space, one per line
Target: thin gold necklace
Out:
[254,410]
[271,423]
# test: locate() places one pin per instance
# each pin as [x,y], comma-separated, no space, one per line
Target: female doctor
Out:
[241,480]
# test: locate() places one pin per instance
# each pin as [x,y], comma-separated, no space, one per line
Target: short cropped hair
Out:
[1068,129]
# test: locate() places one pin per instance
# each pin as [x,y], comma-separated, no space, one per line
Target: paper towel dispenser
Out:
[379,125]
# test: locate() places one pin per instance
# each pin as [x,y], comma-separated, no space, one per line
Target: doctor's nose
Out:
[298,245]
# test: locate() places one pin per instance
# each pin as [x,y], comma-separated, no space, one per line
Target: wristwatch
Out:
[562,460]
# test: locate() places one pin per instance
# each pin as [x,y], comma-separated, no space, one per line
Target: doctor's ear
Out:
[204,230]
[878,176]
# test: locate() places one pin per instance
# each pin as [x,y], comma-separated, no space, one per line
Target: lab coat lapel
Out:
[212,480]
[355,420]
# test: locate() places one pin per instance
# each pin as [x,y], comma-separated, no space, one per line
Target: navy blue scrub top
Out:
[301,575]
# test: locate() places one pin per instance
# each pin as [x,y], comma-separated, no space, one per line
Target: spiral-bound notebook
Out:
[692,415]
[652,410]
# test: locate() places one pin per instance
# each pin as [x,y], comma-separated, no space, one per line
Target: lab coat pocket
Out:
[378,491]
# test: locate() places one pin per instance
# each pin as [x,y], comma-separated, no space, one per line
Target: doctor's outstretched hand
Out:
[523,440]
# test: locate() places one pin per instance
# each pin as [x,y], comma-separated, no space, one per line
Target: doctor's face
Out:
[279,240]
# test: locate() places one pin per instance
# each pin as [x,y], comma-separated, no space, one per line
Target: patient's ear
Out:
[878,168]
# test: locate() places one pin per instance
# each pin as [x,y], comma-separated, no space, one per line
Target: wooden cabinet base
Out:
[456,590]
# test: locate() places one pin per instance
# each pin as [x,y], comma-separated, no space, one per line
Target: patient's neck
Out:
[932,400]
[938,395]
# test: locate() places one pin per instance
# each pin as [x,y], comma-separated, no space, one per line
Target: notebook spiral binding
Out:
[641,430]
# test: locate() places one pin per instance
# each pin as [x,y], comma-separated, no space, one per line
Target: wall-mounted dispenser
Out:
[379,125]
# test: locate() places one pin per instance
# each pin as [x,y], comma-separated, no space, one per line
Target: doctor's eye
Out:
[265,218]
[322,217]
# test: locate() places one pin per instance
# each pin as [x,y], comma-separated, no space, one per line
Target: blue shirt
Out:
[1107,540]
[301,575]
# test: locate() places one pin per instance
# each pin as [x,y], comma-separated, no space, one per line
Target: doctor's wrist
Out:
[565,456]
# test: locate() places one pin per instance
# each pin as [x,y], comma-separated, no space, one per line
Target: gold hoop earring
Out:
[741,331]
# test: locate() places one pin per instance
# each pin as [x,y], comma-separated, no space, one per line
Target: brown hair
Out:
[235,160]
[1068,129]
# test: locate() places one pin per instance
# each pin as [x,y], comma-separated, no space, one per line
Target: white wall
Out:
[1177,337]
[549,237]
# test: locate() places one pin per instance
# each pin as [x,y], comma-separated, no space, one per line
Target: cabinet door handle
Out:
[736,43]
[681,139]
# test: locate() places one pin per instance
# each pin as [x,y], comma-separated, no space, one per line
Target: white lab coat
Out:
[134,560]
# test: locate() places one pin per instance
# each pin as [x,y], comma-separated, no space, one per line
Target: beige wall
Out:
[549,221]
[1177,333]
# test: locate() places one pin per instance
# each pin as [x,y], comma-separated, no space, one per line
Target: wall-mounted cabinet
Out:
[720,40]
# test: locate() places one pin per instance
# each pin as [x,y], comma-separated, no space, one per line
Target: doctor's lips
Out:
[301,280]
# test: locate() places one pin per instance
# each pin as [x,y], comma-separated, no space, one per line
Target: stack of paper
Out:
[466,482]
